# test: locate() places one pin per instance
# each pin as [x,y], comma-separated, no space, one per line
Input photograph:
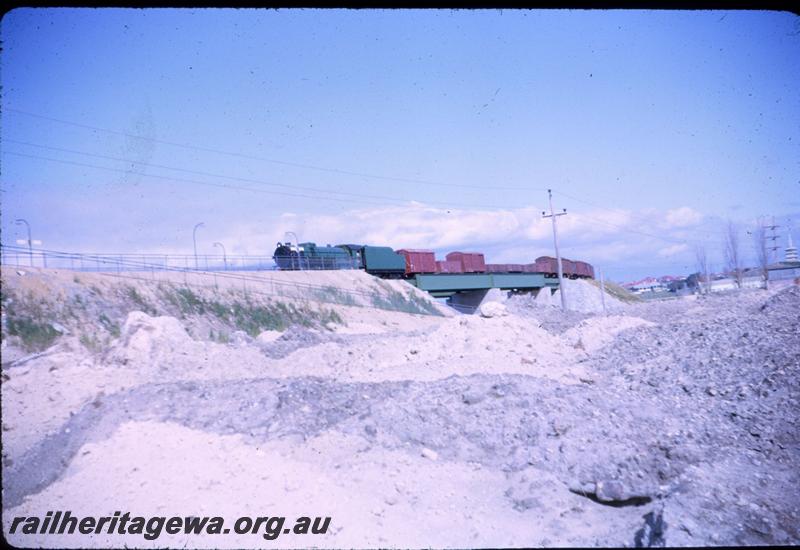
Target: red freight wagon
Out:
[547,264]
[569,268]
[505,268]
[584,269]
[419,261]
[530,268]
[446,266]
[471,262]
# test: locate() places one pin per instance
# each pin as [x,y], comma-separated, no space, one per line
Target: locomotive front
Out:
[285,257]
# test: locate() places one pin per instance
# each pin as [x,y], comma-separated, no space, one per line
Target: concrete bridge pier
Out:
[468,301]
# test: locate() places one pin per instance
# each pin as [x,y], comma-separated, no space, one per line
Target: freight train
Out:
[385,262]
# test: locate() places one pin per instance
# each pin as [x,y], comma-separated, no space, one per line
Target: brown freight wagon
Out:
[569,268]
[583,269]
[547,265]
[471,262]
[447,266]
[419,261]
[505,268]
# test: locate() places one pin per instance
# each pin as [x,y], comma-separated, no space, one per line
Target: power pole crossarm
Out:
[560,270]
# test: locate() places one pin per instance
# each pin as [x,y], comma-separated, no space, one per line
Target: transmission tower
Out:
[774,238]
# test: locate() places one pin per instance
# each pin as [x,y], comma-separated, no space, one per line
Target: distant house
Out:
[648,284]
[751,278]
[729,283]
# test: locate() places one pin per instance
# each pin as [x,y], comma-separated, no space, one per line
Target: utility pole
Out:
[774,238]
[553,215]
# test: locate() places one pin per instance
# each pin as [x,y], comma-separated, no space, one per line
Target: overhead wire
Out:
[224,186]
[233,178]
[357,197]
[635,231]
[625,212]
[263,159]
[272,192]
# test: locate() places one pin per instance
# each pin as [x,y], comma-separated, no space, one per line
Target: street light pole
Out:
[553,215]
[30,242]
[224,256]
[194,240]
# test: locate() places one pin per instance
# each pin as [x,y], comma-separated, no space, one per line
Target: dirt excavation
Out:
[335,394]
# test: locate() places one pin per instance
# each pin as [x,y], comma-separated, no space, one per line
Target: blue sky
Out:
[121,129]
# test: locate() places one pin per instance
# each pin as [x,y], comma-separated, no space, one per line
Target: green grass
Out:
[30,320]
[391,299]
[96,320]
[219,310]
[256,318]
[112,327]
[139,301]
[247,315]
[189,302]
[220,337]
[618,292]
[334,295]
[184,299]
[76,308]
[93,343]
[35,336]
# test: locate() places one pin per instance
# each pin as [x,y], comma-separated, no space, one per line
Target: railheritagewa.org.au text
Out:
[269,527]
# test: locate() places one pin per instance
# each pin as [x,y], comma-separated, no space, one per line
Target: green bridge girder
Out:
[442,285]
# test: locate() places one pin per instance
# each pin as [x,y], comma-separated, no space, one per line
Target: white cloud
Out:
[682,217]
[611,237]
[673,250]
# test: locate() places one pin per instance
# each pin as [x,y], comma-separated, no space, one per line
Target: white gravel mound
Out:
[544,298]
[594,333]
[142,334]
[460,346]
[268,336]
[582,296]
[536,425]
[585,297]
[493,309]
